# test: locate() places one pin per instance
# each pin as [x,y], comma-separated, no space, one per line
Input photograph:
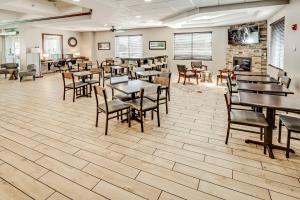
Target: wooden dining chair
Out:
[244,118]
[163,97]
[106,73]
[75,86]
[292,124]
[167,74]
[110,108]
[185,73]
[143,104]
[91,81]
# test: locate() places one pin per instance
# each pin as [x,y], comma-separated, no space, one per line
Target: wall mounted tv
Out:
[244,35]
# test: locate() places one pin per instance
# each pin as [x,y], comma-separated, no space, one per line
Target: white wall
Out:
[219,44]
[32,37]
[291,13]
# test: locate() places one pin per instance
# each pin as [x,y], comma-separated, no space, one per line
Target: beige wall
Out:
[32,37]
[292,41]
[219,44]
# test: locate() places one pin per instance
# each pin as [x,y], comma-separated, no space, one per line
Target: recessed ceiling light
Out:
[76,0]
[138,16]
[148,0]
[105,24]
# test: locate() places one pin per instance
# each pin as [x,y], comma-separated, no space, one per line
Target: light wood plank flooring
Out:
[51,149]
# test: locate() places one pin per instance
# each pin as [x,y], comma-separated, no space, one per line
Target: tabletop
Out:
[130,87]
[260,79]
[274,88]
[284,103]
[118,67]
[243,73]
[83,73]
[148,73]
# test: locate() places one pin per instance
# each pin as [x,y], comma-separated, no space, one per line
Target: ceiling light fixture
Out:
[138,16]
[76,0]
[148,0]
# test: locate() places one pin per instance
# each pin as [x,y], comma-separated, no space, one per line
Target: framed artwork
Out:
[104,46]
[157,45]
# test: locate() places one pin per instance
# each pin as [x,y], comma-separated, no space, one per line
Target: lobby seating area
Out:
[149,100]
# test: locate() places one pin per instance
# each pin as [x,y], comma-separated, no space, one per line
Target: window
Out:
[52,46]
[129,46]
[277,44]
[193,46]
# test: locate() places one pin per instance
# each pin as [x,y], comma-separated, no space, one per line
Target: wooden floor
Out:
[51,149]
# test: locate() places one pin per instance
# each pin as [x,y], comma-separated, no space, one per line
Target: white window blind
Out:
[129,46]
[277,44]
[193,46]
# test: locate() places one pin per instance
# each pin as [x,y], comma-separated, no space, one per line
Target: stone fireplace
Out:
[242,63]
[257,53]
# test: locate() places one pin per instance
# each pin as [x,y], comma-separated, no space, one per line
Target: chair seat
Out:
[114,106]
[122,97]
[234,89]
[154,97]
[147,104]
[77,85]
[190,73]
[27,73]
[291,123]
[248,118]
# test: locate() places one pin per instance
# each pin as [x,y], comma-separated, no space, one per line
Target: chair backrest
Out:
[280,74]
[95,70]
[150,62]
[109,61]
[118,79]
[181,68]
[163,81]
[168,76]
[31,67]
[100,91]
[10,65]
[82,65]
[227,96]
[196,64]
[68,75]
[286,81]
[149,90]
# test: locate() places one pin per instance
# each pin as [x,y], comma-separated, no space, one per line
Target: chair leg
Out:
[279,131]
[73,95]
[184,80]
[128,117]
[169,94]
[142,123]
[167,111]
[228,131]
[178,78]
[97,115]
[64,96]
[106,124]
[158,120]
[121,115]
[151,114]
[197,80]
[287,155]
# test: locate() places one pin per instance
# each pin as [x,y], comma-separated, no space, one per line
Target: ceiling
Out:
[129,14]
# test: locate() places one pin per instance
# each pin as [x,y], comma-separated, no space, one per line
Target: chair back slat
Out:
[164,81]
[68,75]
[95,70]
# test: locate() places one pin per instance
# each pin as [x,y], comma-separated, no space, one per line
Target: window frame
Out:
[192,45]
[270,60]
[128,36]
[61,41]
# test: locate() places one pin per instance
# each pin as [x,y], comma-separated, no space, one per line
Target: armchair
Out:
[30,71]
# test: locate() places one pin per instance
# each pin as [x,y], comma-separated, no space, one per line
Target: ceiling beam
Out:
[226,7]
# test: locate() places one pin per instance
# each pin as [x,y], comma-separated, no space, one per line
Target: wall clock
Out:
[72,41]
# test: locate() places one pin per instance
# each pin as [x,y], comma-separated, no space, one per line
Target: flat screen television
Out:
[244,35]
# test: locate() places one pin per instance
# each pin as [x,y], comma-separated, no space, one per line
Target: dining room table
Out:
[148,74]
[246,73]
[264,88]
[256,79]
[271,103]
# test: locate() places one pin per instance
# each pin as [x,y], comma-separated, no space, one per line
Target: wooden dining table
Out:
[256,79]
[148,74]
[244,73]
[263,88]
[271,103]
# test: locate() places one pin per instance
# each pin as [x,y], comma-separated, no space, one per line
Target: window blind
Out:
[277,44]
[193,46]
[129,46]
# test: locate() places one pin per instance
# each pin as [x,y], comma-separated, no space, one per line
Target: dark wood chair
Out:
[286,81]
[163,97]
[106,73]
[110,108]
[292,124]
[75,86]
[198,67]
[91,81]
[143,104]
[223,74]
[167,74]
[185,73]
[244,118]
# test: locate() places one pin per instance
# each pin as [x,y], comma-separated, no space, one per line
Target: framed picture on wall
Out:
[157,45]
[104,46]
